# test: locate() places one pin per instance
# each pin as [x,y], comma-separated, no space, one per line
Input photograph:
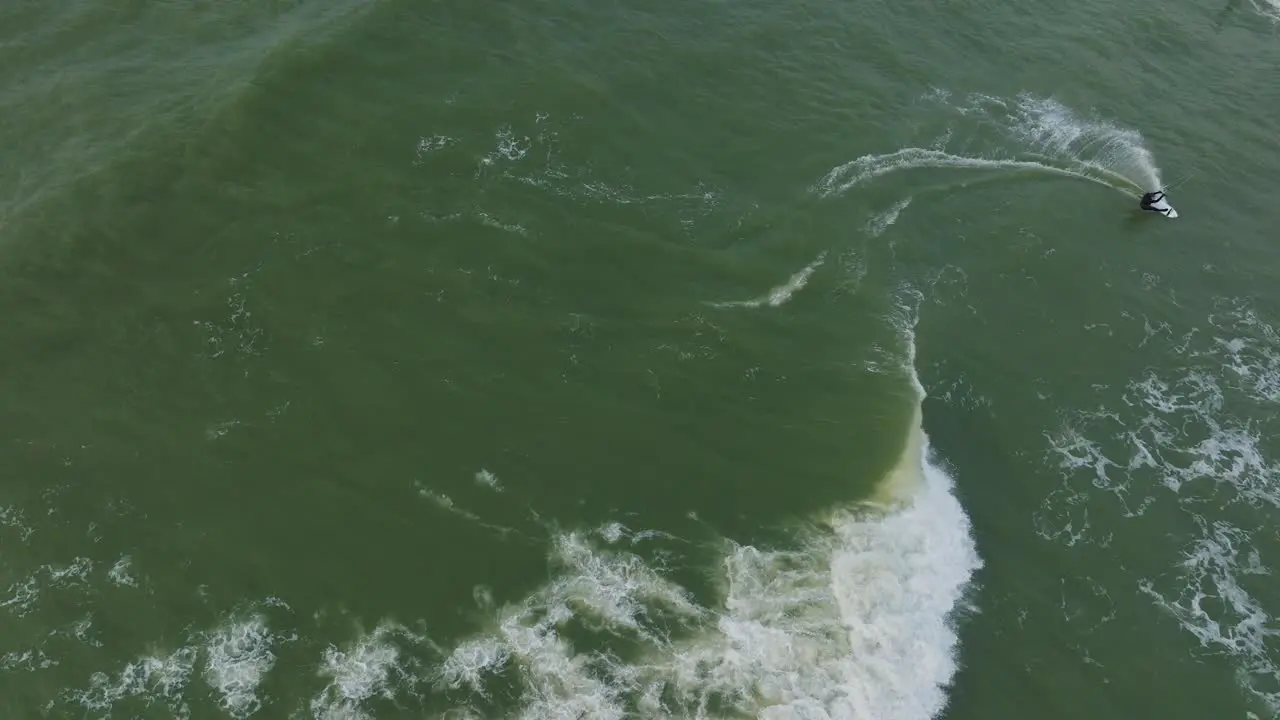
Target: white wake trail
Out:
[1034,134]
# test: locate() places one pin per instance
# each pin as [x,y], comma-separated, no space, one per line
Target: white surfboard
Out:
[1163,207]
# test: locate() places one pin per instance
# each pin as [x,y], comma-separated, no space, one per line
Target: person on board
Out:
[1154,202]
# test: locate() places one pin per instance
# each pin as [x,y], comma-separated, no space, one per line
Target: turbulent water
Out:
[375,359]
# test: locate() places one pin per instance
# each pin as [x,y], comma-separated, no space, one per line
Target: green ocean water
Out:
[375,359]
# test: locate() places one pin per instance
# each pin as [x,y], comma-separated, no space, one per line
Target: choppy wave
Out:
[1194,441]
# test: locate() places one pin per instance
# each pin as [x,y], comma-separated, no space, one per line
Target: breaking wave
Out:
[856,622]
[854,618]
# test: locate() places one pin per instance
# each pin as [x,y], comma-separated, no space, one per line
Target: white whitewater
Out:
[855,622]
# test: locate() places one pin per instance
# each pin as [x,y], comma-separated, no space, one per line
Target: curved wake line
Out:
[1034,134]
[869,167]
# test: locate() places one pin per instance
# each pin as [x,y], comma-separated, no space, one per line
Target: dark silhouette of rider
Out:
[1151,198]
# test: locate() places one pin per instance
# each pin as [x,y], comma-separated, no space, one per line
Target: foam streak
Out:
[782,293]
